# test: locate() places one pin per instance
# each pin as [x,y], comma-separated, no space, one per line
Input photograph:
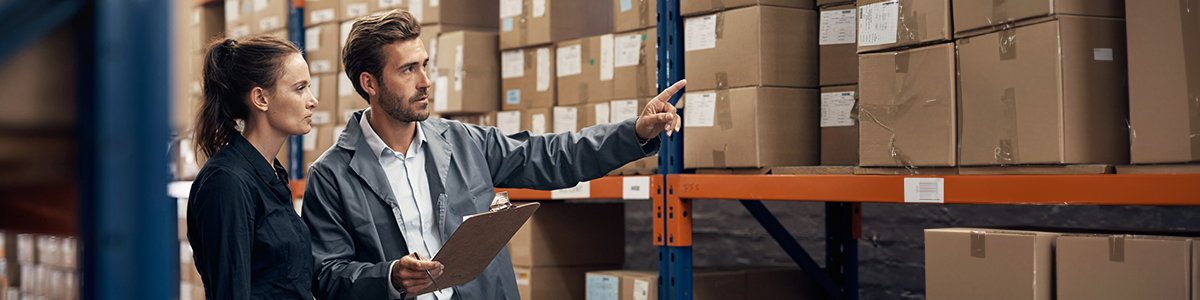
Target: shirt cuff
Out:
[396,294]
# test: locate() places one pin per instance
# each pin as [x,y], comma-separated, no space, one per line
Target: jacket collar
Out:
[366,165]
[269,173]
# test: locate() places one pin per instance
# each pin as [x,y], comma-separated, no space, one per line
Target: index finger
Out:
[666,95]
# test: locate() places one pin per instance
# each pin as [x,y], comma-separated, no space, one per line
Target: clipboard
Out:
[476,242]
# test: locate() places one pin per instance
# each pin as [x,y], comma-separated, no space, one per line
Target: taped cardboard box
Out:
[635,64]
[348,99]
[208,25]
[484,14]
[540,22]
[509,122]
[768,126]
[528,78]
[321,11]
[239,14]
[696,7]
[630,15]
[752,46]
[908,108]
[325,87]
[973,17]
[622,284]
[315,142]
[321,49]
[270,15]
[621,110]
[429,36]
[974,263]
[554,283]
[571,234]
[585,70]
[1047,93]
[839,45]
[892,24]
[537,121]
[1164,80]
[839,125]
[1124,267]
[567,118]
[468,73]
[353,9]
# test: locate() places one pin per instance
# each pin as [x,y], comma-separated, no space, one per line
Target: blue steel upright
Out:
[674,263]
[295,28]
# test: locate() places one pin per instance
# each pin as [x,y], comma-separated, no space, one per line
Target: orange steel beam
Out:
[611,187]
[1112,189]
[297,187]
[678,216]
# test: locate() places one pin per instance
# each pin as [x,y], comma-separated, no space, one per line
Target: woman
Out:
[247,240]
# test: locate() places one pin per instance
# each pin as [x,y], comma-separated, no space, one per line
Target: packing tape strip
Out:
[902,63]
[583,92]
[523,23]
[585,52]
[908,30]
[720,25]
[1007,152]
[717,5]
[530,61]
[1191,45]
[724,110]
[979,243]
[999,12]
[644,12]
[645,87]
[1008,43]
[1116,248]
[719,158]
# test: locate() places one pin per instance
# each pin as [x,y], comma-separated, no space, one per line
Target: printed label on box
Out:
[924,190]
[512,97]
[239,32]
[417,8]
[356,10]
[268,23]
[344,33]
[835,109]
[434,3]
[539,8]
[539,124]
[260,5]
[628,49]
[345,87]
[569,61]
[641,289]
[877,23]
[700,110]
[635,188]
[320,66]
[389,3]
[512,64]
[310,140]
[606,57]
[700,33]
[566,119]
[510,8]
[322,16]
[602,111]
[581,191]
[320,117]
[543,69]
[1102,53]
[441,94]
[507,25]
[509,122]
[624,109]
[601,287]
[837,27]
[312,39]
[626,5]
[231,10]
[458,68]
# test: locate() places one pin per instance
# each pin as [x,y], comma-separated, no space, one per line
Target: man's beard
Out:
[403,110]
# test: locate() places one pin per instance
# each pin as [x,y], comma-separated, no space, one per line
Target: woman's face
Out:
[290,103]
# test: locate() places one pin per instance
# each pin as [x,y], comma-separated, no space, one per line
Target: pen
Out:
[435,285]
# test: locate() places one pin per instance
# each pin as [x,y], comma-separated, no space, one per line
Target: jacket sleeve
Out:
[562,160]
[338,275]
[226,211]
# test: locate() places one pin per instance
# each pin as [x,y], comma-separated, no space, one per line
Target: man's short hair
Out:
[364,46]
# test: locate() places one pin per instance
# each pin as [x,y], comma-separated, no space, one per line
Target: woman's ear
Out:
[258,99]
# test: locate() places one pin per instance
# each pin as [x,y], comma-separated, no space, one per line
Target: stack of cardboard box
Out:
[563,241]
[838,44]
[761,56]
[708,283]
[38,267]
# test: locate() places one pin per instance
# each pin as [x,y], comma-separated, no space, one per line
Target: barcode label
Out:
[924,190]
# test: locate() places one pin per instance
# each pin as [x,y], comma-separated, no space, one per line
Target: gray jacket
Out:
[348,202]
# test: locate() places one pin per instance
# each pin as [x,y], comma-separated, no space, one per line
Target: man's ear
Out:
[368,83]
[258,99]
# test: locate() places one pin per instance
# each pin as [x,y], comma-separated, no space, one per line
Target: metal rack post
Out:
[295,28]
[674,253]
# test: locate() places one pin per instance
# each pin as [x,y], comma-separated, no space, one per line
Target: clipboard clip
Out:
[500,202]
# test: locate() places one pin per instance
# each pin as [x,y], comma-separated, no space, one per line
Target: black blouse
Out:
[248,242]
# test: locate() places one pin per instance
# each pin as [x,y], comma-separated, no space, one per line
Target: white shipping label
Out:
[441,95]
[539,8]
[699,110]
[312,39]
[581,191]
[310,140]
[602,114]
[606,57]
[434,3]
[510,8]
[624,109]
[268,23]
[433,54]
[344,32]
[195,22]
[635,187]
[458,68]
[601,287]
[321,117]
[628,49]
[837,27]
[239,32]
[356,10]
[416,8]
[835,109]
[389,3]
[512,64]
[260,5]
[320,66]
[539,124]
[314,87]
[345,87]
[566,119]
[231,10]
[924,190]
[322,16]
[641,289]
[569,61]
[1103,53]
[700,33]
[509,122]
[877,23]
[543,69]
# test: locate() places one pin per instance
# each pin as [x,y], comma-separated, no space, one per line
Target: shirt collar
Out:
[376,143]
[268,172]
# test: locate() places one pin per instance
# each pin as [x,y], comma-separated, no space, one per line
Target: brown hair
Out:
[231,69]
[364,46]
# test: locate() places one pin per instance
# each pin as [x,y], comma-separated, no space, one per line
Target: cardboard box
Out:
[468,69]
[839,125]
[571,234]
[348,100]
[1124,267]
[321,49]
[270,15]
[527,78]
[484,14]
[315,142]
[321,11]
[696,7]
[554,283]
[630,15]
[567,118]
[353,9]
[537,121]
[1164,80]
[533,23]
[476,119]
[908,108]
[839,45]
[208,25]
[509,122]
[769,126]
[324,88]
[891,24]
[972,17]
[823,3]
[429,35]
[753,46]
[973,263]
[622,284]
[1057,97]
[585,70]
[635,64]
[239,14]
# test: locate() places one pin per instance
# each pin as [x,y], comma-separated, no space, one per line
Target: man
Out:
[397,183]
